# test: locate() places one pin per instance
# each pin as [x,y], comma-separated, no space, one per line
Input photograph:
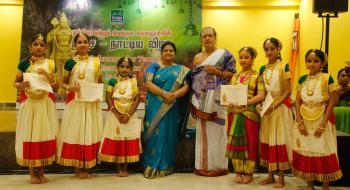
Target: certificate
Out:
[236,94]
[37,82]
[132,129]
[90,92]
[267,103]
[308,143]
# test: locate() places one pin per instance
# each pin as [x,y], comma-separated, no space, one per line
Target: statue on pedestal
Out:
[59,45]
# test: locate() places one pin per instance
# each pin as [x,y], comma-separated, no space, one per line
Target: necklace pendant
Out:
[81,76]
[310,92]
[122,91]
[268,81]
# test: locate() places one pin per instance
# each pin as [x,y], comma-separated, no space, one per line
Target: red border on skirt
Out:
[120,147]
[80,152]
[39,150]
[319,165]
[273,154]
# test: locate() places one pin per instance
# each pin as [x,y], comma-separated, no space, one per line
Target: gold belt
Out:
[124,100]
[36,96]
[312,104]
[312,111]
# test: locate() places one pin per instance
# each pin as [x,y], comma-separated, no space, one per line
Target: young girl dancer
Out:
[122,97]
[243,121]
[276,124]
[314,105]
[37,121]
[81,127]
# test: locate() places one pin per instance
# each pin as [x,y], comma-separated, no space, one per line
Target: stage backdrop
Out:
[133,28]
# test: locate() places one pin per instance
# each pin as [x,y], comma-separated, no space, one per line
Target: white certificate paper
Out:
[308,143]
[90,92]
[132,129]
[236,94]
[37,82]
[267,103]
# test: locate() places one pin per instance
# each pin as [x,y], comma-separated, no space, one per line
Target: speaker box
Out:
[330,6]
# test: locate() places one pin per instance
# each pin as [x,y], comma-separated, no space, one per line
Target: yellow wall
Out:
[238,23]
[10,27]
[310,37]
[250,27]
[241,22]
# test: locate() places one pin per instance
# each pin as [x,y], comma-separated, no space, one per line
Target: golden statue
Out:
[59,45]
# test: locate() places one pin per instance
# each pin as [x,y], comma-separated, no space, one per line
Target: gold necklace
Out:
[243,76]
[82,71]
[36,60]
[81,59]
[310,89]
[272,68]
[122,90]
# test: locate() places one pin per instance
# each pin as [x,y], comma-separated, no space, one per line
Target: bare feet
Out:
[278,185]
[86,175]
[268,180]
[82,174]
[238,178]
[34,176]
[125,174]
[41,176]
[125,170]
[43,179]
[325,186]
[79,175]
[120,173]
[34,179]
[247,179]
[280,182]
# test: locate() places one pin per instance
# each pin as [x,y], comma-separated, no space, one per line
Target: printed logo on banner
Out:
[117,16]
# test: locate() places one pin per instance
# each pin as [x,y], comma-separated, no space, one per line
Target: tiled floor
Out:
[178,181]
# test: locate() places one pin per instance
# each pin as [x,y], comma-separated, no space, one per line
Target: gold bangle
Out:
[54,81]
[322,128]
[164,93]
[67,88]
[299,122]
[128,115]
[110,109]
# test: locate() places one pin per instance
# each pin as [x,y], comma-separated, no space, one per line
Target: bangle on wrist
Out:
[67,88]
[299,122]
[322,128]
[164,93]
[128,115]
[110,109]
[54,81]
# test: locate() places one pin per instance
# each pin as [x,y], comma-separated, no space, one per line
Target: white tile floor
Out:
[178,181]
